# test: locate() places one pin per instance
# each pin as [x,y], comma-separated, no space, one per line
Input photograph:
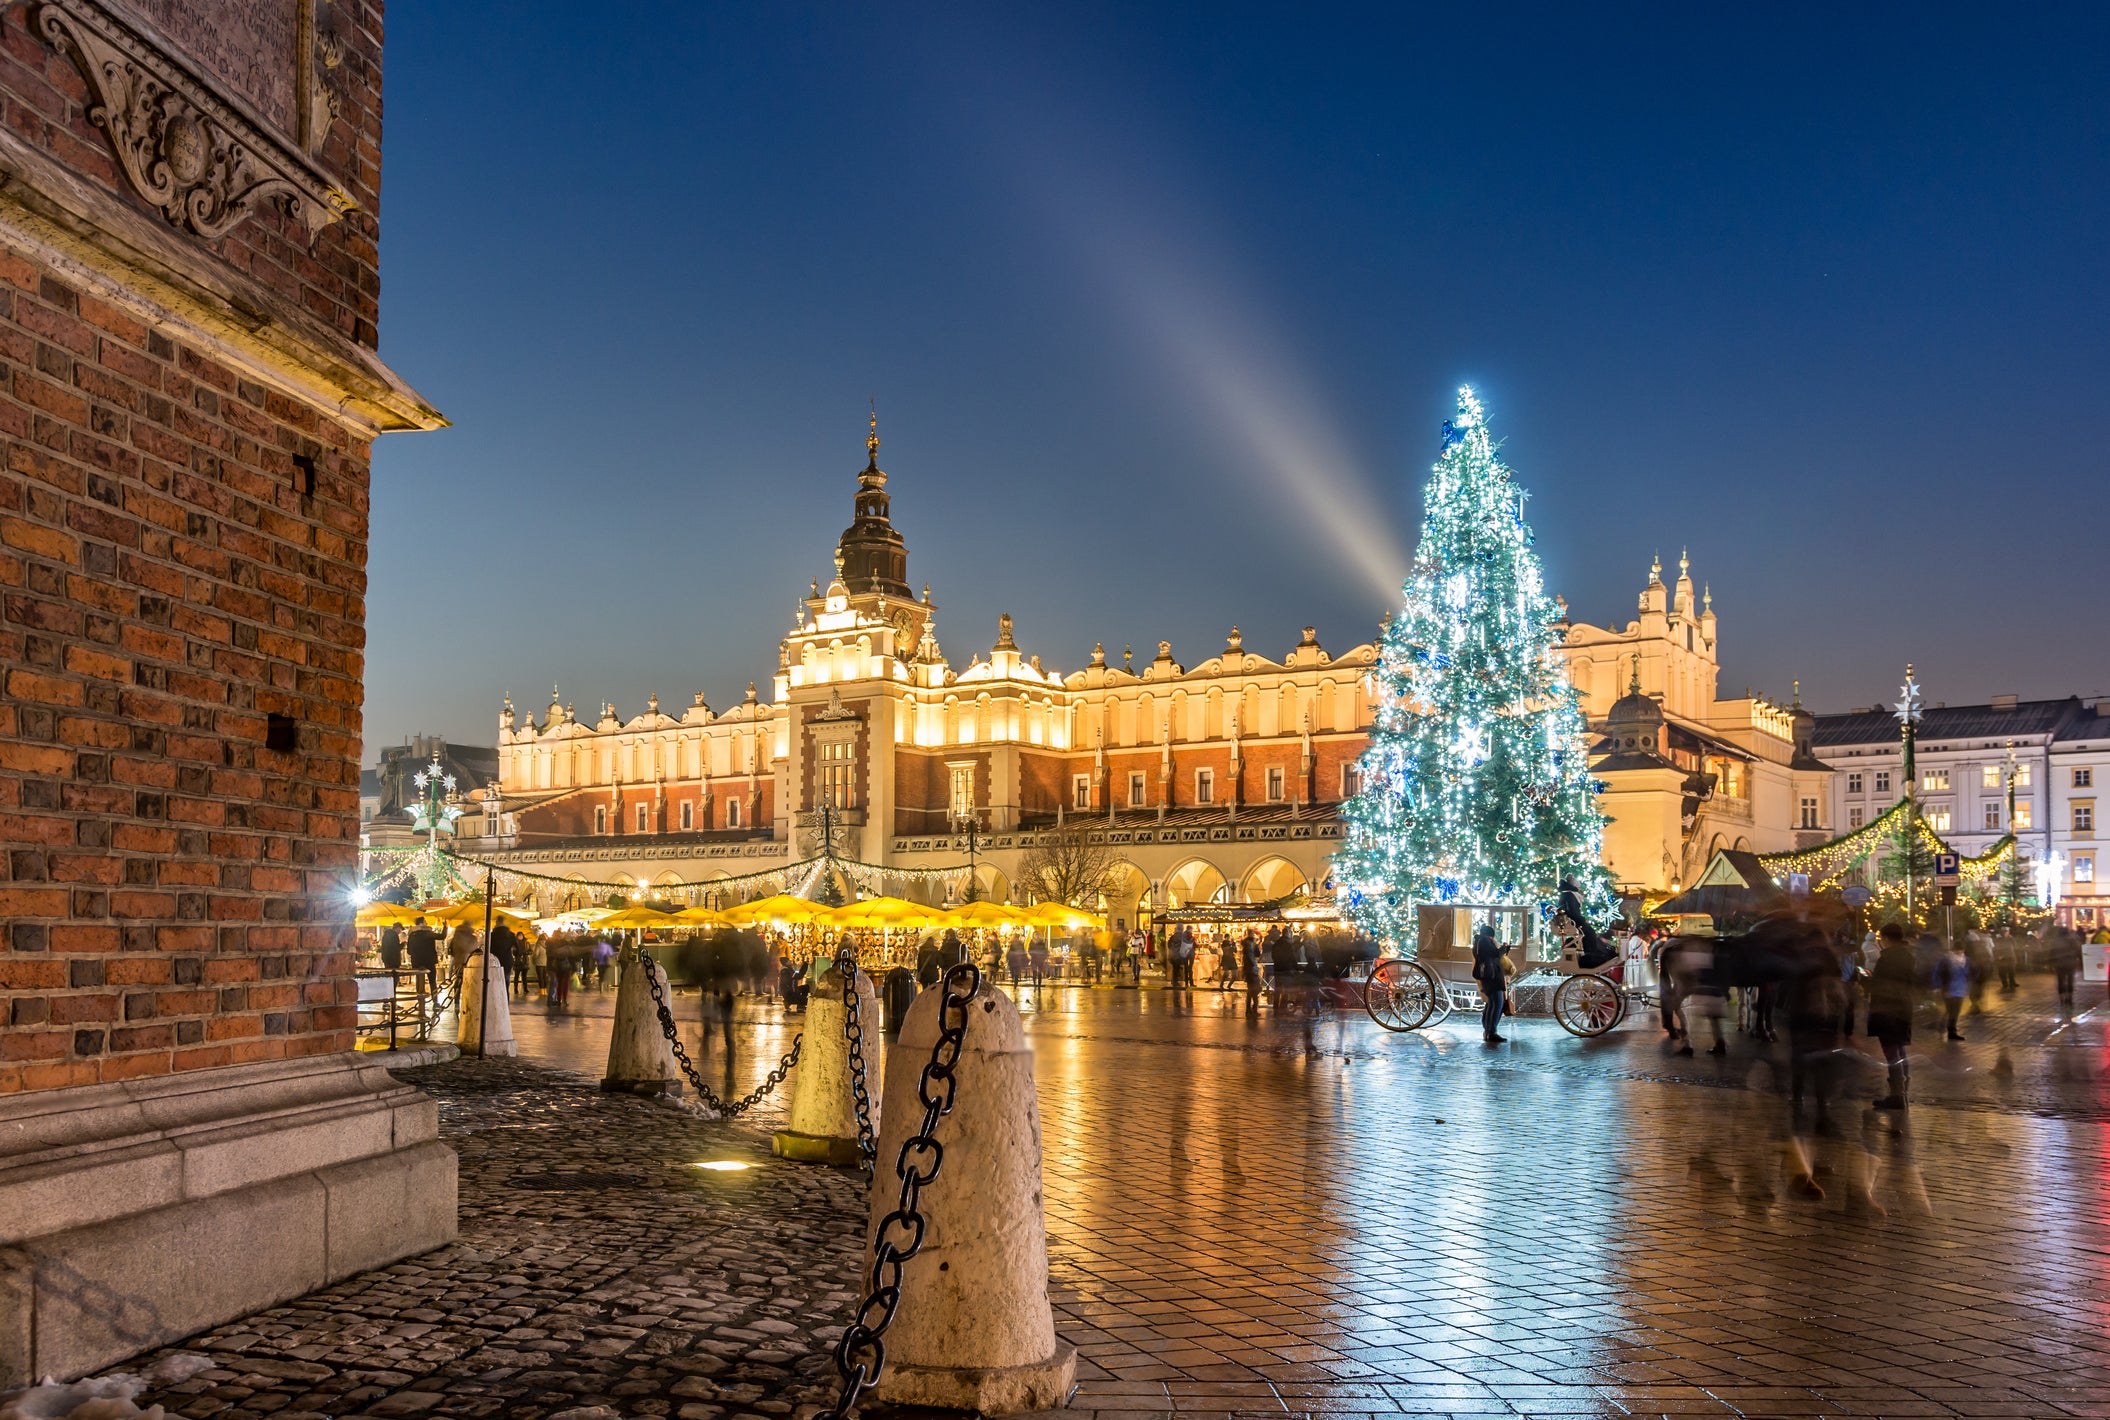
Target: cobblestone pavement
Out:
[1247,1218]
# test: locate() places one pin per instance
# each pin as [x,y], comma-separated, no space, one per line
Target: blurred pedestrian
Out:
[1893,994]
[1955,975]
[461,942]
[424,949]
[2005,961]
[2063,955]
[502,952]
[1249,967]
[1814,994]
[391,948]
[1703,992]
[930,967]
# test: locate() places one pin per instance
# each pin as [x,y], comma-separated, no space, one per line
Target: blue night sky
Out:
[1164,307]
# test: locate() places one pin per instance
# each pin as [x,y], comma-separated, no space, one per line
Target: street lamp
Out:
[967,830]
[1908,713]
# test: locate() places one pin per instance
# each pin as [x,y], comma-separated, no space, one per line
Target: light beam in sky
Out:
[1187,305]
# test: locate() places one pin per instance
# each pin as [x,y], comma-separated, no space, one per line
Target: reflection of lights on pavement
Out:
[721,1165]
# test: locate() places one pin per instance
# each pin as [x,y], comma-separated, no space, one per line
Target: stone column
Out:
[822,1123]
[974,1330]
[485,1009]
[640,1061]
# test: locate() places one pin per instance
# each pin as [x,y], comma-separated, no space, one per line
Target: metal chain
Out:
[681,1056]
[861,1355]
[854,1032]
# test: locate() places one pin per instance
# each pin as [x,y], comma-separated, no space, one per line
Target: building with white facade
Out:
[2057,752]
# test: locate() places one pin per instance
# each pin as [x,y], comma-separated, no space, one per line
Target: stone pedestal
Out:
[821,1126]
[640,1061]
[975,1331]
[487,1014]
[134,1214]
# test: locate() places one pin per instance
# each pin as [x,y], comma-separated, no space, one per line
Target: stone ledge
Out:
[77,1157]
[82,1299]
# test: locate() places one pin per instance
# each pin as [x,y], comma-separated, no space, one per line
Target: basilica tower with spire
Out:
[870,555]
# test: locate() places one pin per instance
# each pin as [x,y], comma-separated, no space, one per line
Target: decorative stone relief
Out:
[182,148]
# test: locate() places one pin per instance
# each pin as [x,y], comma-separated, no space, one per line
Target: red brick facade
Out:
[182,563]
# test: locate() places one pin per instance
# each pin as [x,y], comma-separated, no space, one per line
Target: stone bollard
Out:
[974,1330]
[485,1010]
[640,1061]
[822,1124]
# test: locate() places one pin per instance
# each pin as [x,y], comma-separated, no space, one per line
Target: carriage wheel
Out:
[1400,995]
[1588,1005]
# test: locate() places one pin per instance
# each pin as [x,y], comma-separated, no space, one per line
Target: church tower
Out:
[871,555]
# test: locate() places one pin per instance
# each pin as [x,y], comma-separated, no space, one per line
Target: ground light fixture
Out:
[721,1165]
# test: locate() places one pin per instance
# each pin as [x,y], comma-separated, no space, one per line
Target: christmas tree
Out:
[1475,783]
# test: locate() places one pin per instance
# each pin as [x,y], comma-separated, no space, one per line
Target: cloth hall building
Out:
[1220,781]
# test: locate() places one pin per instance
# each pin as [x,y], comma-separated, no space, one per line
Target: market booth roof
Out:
[779,908]
[633,918]
[387,914]
[988,914]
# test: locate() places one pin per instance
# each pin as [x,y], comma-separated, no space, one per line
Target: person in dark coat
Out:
[1893,994]
[392,947]
[930,963]
[504,947]
[2063,955]
[1249,966]
[1596,951]
[424,948]
[1492,973]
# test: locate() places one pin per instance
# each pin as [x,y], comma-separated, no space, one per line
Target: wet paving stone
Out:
[1249,1218]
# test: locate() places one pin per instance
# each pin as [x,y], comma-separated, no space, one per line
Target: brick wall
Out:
[171,887]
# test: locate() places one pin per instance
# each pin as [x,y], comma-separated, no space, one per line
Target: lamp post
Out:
[1908,713]
[970,829]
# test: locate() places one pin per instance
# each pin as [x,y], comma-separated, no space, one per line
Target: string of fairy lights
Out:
[382,869]
[1829,864]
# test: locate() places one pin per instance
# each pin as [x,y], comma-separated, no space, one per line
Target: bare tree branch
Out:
[1066,866]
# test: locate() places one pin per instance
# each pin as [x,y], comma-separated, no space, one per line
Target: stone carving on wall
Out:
[182,148]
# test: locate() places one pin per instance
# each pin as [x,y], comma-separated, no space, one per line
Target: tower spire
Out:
[871,556]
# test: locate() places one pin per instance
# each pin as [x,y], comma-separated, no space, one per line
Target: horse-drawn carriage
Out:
[1407,993]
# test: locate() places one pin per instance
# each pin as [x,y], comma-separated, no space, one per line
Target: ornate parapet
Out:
[194,155]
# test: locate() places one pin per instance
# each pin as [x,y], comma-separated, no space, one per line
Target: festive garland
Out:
[465,874]
[1829,862]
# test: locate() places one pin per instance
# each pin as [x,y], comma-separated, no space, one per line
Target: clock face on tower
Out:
[904,625]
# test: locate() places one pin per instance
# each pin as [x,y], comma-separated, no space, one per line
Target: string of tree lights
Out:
[1476,783]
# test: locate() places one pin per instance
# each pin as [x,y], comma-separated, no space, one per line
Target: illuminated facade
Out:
[1218,781]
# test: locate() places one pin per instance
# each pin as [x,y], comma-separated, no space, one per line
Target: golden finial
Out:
[872,439]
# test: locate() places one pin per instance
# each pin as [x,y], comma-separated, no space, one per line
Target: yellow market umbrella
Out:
[386,914]
[1061,915]
[988,914]
[700,917]
[473,914]
[780,907]
[631,919]
[883,914]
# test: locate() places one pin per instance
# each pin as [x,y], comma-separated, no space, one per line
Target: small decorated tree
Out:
[1475,783]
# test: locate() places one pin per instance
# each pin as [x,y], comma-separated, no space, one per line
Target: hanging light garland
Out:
[1829,863]
[384,868]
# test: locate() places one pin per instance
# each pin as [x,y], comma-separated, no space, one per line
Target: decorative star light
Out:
[1908,706]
